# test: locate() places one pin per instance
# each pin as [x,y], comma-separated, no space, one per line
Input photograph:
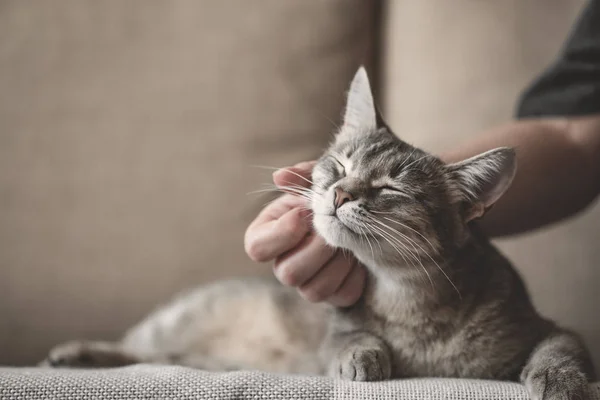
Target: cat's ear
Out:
[483,179]
[360,112]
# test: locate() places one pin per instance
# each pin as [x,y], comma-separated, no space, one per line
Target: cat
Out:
[440,300]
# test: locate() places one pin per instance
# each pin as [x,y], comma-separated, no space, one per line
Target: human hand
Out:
[283,232]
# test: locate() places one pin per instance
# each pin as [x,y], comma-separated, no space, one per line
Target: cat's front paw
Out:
[556,383]
[362,364]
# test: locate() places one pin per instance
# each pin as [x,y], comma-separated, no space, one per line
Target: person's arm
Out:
[558,172]
[556,135]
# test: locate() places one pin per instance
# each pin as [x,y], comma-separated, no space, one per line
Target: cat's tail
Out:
[559,368]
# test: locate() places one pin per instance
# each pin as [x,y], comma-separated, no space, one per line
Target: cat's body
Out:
[486,332]
[439,300]
[227,325]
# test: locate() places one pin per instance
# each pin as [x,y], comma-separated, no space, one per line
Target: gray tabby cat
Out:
[440,300]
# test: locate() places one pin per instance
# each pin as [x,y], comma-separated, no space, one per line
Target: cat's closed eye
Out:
[390,188]
[339,166]
[393,191]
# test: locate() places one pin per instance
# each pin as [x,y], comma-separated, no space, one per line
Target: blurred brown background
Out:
[128,132]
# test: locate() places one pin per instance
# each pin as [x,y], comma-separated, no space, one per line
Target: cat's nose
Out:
[341,197]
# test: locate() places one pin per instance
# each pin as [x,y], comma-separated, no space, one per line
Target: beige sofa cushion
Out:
[148,382]
[454,69]
[127,135]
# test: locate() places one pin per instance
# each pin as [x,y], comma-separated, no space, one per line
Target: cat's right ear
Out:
[481,180]
[360,115]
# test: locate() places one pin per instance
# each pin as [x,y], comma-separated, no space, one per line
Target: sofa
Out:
[131,133]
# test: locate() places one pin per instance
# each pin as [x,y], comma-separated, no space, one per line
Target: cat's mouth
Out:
[342,224]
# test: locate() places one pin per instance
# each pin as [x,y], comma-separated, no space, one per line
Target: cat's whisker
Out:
[363,235]
[259,191]
[407,158]
[428,255]
[407,238]
[375,240]
[265,167]
[299,188]
[415,161]
[399,242]
[368,232]
[302,189]
[388,236]
[291,185]
[401,249]
[284,168]
[309,216]
[299,176]
[413,230]
[413,241]
[281,190]
[336,126]
[410,241]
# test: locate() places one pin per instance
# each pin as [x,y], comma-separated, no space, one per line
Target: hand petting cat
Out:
[282,232]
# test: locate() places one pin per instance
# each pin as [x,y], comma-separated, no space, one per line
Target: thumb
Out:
[299,174]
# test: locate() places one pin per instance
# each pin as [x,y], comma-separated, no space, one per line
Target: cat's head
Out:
[386,200]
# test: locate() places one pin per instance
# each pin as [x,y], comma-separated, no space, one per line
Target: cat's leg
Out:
[558,368]
[89,354]
[357,356]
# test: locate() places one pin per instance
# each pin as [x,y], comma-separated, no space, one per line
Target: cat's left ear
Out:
[483,179]
[360,115]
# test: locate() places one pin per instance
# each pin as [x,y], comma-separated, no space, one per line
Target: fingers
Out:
[282,231]
[298,266]
[282,224]
[352,287]
[276,210]
[279,228]
[298,174]
[328,280]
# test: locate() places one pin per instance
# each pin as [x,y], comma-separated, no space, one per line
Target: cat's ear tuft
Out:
[483,179]
[360,112]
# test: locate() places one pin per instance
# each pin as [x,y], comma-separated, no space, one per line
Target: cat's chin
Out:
[335,233]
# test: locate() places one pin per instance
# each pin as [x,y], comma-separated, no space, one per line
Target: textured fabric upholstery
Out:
[151,382]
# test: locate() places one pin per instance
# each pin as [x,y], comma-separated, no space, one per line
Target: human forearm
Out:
[558,171]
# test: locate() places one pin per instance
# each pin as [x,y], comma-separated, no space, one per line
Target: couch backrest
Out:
[128,132]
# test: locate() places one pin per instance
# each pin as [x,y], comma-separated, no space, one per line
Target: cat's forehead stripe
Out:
[382,181]
[377,161]
[375,155]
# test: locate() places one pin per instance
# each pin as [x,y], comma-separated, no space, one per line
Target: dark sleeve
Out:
[570,86]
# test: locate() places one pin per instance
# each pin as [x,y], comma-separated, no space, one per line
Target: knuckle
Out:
[255,251]
[287,275]
[290,229]
[314,294]
[346,296]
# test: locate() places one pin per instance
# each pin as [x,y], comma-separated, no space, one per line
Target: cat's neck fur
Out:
[424,285]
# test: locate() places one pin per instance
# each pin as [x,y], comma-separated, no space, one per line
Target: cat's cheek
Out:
[326,227]
[323,227]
